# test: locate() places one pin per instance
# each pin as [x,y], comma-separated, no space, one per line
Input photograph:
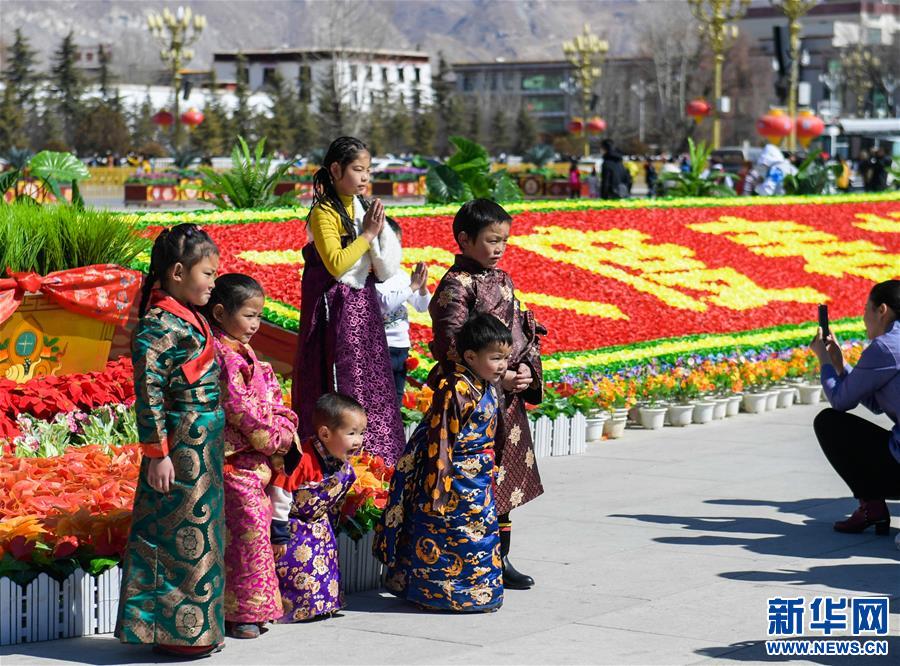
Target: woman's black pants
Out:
[858,450]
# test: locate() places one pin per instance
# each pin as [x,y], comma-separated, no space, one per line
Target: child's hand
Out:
[419,280]
[279,549]
[373,222]
[161,474]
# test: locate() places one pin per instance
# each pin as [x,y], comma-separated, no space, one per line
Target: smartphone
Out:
[823,320]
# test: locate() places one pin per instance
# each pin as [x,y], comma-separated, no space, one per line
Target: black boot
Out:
[512,579]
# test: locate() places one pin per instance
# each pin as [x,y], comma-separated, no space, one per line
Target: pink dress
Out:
[257,426]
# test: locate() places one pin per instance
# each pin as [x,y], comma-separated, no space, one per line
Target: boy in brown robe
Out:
[475,284]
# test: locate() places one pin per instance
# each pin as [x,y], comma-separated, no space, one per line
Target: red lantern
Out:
[576,125]
[698,109]
[163,118]
[596,125]
[192,117]
[774,126]
[809,126]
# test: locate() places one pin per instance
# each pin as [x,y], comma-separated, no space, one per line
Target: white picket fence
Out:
[562,436]
[46,609]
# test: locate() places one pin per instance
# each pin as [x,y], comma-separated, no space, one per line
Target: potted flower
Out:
[683,394]
[653,390]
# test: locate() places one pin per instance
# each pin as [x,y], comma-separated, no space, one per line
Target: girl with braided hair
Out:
[173,569]
[342,345]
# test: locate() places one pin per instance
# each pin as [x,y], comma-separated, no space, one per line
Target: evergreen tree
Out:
[67,87]
[400,126]
[103,57]
[19,74]
[143,129]
[526,131]
[12,122]
[330,114]
[377,139]
[499,133]
[211,137]
[455,119]
[49,134]
[443,96]
[307,132]
[280,130]
[242,117]
[424,127]
[102,129]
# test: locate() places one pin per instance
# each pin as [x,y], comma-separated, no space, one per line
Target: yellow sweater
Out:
[327,231]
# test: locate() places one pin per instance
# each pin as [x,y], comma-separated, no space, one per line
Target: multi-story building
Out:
[541,86]
[829,28]
[360,75]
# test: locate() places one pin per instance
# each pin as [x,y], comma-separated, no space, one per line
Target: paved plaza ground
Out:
[659,548]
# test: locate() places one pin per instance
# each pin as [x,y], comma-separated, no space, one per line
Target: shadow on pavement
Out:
[784,539]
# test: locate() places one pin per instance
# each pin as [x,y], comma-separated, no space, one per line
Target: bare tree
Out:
[675,52]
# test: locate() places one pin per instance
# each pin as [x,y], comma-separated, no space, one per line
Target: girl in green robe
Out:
[173,570]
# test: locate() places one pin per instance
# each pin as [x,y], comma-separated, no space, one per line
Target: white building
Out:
[361,75]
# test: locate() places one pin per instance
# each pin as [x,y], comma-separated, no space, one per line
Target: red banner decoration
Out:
[102,291]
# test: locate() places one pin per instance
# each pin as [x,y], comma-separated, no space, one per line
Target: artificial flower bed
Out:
[619,283]
[45,398]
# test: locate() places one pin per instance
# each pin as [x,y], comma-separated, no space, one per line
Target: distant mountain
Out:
[464,30]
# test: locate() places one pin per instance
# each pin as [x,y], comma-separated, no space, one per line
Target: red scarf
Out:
[196,367]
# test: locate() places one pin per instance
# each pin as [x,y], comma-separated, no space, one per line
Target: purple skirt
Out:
[342,347]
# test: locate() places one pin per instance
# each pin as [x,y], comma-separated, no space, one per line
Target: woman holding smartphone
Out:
[866,456]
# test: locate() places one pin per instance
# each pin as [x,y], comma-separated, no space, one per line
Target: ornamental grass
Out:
[44,239]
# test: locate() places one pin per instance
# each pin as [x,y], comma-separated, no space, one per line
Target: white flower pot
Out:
[754,403]
[810,394]
[594,430]
[653,418]
[772,400]
[620,413]
[734,404]
[615,427]
[703,411]
[786,397]
[721,407]
[680,415]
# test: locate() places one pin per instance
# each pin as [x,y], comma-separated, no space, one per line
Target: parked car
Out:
[732,158]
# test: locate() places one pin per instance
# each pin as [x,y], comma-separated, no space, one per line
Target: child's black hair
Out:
[480,331]
[887,292]
[342,151]
[232,290]
[184,244]
[330,409]
[478,214]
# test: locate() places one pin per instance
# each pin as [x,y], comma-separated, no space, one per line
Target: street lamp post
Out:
[640,89]
[793,10]
[585,53]
[175,33]
[714,17]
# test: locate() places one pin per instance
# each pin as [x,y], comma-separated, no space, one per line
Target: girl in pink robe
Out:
[259,429]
